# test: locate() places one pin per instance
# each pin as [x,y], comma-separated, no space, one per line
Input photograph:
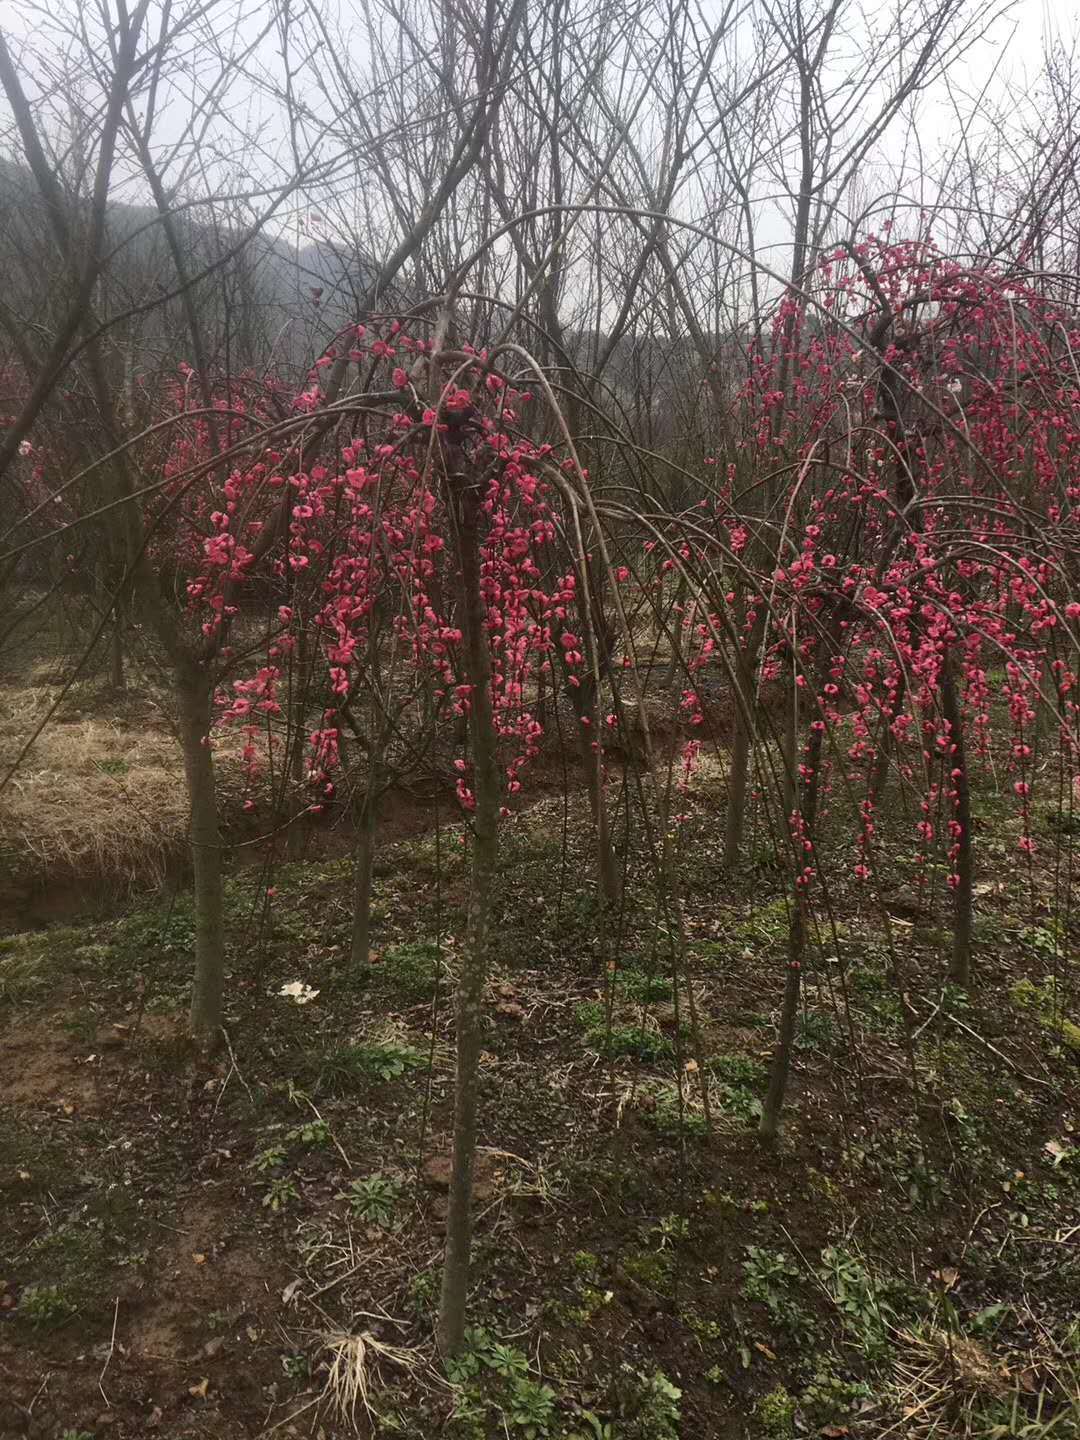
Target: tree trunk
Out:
[789,759]
[607,867]
[116,650]
[583,699]
[769,1128]
[296,833]
[880,772]
[738,782]
[963,893]
[607,871]
[206,994]
[742,745]
[486,781]
[363,859]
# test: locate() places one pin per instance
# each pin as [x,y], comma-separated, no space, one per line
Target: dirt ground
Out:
[250,1245]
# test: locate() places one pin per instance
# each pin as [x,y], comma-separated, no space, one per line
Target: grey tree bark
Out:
[769,1129]
[963,894]
[363,860]
[465,505]
[194,691]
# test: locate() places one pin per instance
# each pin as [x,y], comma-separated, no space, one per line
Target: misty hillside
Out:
[256,293]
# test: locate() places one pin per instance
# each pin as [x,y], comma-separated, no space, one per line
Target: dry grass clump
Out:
[941,1381]
[353,1374]
[92,798]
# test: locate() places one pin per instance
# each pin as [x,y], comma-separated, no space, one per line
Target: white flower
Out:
[25,448]
[298,991]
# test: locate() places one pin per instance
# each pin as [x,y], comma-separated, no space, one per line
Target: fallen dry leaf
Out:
[199,1390]
[198,1258]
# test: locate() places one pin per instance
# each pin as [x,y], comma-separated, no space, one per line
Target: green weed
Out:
[45,1306]
[768,1278]
[866,1316]
[619,1040]
[531,1408]
[775,1413]
[830,1400]
[280,1193]
[651,1408]
[643,989]
[352,1065]
[374,1199]
[410,970]
[27,962]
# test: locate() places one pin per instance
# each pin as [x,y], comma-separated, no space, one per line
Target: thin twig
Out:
[236,1067]
[1031,1079]
[333,1137]
[37,1392]
[108,1357]
[918,1031]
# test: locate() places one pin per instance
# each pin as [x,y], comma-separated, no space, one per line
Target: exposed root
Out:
[353,1376]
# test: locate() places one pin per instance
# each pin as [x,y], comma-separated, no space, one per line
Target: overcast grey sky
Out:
[999,72]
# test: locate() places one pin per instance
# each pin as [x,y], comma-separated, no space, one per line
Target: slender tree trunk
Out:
[455,1281]
[296,833]
[880,772]
[116,648]
[790,757]
[363,860]
[738,784]
[769,1128]
[104,578]
[963,894]
[586,717]
[607,867]
[592,761]
[743,743]
[742,746]
[585,699]
[206,995]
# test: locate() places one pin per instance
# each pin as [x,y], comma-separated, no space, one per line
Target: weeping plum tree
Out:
[911,559]
[439,514]
[464,498]
[201,497]
[803,828]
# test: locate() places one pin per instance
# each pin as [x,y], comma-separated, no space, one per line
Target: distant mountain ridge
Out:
[267,299]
